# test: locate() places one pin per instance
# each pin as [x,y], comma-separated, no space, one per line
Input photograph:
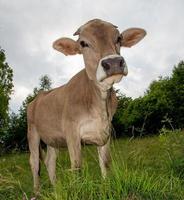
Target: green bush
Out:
[161,106]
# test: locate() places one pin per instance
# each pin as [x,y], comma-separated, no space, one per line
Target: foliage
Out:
[123,102]
[6,75]
[45,83]
[161,106]
[6,86]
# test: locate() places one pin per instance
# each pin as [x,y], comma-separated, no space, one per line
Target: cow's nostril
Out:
[122,62]
[105,65]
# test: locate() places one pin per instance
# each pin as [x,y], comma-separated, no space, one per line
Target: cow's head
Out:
[99,42]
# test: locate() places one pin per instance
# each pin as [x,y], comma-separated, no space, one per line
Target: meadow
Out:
[142,168]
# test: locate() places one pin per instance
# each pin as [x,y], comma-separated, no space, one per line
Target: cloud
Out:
[28,29]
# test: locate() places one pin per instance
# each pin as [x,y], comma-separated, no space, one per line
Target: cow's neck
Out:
[91,95]
[103,96]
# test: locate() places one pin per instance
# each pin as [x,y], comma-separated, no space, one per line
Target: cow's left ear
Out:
[132,36]
[67,46]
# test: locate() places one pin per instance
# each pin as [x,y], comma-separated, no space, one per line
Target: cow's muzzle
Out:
[111,65]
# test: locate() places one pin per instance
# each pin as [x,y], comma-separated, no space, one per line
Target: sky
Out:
[28,29]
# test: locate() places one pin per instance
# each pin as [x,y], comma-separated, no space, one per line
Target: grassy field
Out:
[147,168]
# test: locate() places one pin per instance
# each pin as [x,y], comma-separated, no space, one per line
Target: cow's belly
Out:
[56,141]
[52,136]
[94,131]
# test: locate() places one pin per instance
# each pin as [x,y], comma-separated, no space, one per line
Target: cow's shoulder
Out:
[39,97]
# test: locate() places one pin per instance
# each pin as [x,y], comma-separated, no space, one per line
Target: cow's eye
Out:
[118,40]
[83,44]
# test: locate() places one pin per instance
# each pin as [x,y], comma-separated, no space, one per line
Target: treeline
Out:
[161,106]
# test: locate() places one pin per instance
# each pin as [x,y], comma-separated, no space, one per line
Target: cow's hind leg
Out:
[104,158]
[34,142]
[50,162]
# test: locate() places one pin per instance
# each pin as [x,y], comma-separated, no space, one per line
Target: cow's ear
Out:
[132,36]
[67,46]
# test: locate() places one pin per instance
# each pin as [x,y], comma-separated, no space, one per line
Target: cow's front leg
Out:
[74,148]
[104,158]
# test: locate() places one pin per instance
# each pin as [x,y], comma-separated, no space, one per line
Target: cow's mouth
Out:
[110,80]
[115,75]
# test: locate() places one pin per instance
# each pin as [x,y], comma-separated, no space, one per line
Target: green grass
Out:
[147,168]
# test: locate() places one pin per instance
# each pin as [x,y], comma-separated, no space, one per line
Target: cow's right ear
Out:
[67,46]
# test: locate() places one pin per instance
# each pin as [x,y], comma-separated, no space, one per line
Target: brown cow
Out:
[81,110]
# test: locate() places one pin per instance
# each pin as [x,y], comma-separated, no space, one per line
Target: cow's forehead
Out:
[97,28]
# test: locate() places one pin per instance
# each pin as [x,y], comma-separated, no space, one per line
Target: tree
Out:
[6,86]
[118,125]
[45,83]
[176,95]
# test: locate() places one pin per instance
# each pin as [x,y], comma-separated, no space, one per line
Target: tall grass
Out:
[148,168]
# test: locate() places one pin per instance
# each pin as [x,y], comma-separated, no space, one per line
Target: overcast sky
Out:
[28,29]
